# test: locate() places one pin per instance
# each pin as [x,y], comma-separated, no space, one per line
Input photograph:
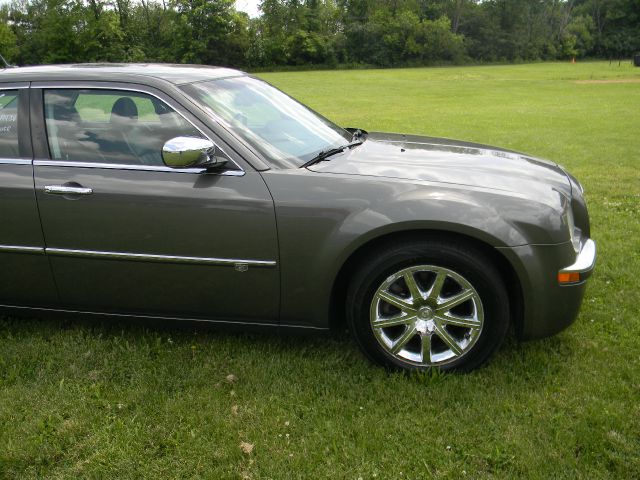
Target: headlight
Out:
[575,182]
[574,232]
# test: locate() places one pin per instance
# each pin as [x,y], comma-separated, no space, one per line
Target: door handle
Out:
[64,190]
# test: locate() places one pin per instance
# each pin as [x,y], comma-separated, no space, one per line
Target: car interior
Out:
[108,127]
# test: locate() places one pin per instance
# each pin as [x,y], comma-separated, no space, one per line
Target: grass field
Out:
[89,400]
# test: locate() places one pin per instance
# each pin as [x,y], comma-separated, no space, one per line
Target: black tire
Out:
[469,262]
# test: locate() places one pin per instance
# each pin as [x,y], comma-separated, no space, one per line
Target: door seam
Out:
[35,196]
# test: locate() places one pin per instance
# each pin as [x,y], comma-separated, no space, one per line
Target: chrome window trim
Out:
[144,257]
[17,86]
[88,86]
[142,168]
[14,161]
[21,249]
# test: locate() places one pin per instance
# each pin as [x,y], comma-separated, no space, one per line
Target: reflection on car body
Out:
[205,194]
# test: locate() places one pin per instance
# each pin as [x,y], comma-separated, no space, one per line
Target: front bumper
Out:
[548,306]
[585,261]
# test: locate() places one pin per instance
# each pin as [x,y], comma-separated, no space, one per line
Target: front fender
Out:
[324,218]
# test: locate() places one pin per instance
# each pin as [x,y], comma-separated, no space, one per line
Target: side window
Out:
[110,126]
[9,124]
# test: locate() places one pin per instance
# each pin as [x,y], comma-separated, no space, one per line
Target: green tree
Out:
[8,40]
[582,30]
[210,32]
[313,32]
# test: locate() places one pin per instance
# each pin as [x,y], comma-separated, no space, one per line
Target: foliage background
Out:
[120,400]
[301,33]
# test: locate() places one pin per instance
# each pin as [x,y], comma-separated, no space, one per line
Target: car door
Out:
[25,275]
[127,234]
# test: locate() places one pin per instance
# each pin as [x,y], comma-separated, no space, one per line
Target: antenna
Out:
[6,64]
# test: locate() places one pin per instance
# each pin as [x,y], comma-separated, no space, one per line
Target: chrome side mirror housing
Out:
[192,152]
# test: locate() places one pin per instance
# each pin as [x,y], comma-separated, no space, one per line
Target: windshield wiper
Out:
[323,155]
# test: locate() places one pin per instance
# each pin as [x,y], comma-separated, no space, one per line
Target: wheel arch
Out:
[351,263]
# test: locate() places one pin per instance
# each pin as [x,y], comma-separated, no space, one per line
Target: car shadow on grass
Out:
[535,362]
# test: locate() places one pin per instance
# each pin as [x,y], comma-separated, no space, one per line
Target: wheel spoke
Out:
[426,348]
[454,301]
[398,302]
[403,339]
[403,308]
[394,321]
[436,288]
[412,285]
[448,339]
[467,322]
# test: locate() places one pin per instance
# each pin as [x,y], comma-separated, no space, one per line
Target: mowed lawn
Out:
[81,399]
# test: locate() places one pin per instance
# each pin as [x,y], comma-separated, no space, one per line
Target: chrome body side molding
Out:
[21,249]
[144,257]
[240,264]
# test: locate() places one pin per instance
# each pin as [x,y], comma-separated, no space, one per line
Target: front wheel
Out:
[428,304]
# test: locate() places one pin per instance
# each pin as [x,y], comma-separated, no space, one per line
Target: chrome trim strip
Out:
[144,257]
[145,168]
[14,161]
[21,249]
[62,190]
[585,260]
[91,86]
[16,86]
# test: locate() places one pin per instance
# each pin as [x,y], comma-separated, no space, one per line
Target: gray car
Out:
[200,193]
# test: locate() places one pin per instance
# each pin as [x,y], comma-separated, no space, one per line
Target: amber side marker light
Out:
[565,277]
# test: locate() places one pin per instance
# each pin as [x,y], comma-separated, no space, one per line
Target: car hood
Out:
[442,160]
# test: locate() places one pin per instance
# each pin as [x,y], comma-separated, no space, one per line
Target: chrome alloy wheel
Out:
[426,315]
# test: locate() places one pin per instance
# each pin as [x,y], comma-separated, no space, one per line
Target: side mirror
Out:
[192,152]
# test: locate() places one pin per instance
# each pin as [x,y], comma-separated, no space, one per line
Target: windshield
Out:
[281,129]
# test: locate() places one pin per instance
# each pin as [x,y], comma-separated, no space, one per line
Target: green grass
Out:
[99,400]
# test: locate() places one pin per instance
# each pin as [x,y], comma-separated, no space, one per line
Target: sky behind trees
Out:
[251,7]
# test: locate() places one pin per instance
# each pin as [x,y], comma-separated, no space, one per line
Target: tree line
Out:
[317,32]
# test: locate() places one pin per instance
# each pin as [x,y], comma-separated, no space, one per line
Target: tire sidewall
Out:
[467,262]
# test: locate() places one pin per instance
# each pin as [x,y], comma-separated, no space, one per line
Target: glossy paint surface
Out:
[446,161]
[25,276]
[307,223]
[177,74]
[357,210]
[164,214]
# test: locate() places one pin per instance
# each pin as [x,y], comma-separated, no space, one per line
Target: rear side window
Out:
[9,124]
[111,126]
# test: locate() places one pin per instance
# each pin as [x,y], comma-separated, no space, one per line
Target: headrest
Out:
[124,110]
